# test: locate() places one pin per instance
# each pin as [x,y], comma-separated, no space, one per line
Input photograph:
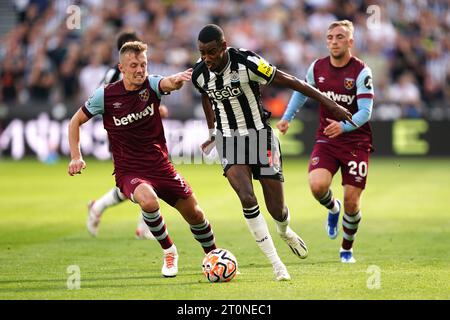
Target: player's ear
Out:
[120,66]
[224,45]
[350,42]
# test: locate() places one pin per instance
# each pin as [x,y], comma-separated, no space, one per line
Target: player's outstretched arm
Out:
[175,81]
[76,163]
[284,79]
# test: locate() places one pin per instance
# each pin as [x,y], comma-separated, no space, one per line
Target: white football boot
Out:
[93,219]
[170,262]
[294,242]
[142,230]
[281,273]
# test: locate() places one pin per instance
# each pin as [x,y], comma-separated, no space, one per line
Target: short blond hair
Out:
[135,47]
[343,23]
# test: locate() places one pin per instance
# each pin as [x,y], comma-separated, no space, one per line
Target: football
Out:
[219,265]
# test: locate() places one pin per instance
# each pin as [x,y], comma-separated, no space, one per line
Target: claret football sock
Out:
[350,227]
[203,233]
[157,226]
[329,202]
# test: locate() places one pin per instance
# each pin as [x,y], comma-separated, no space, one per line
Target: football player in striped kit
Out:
[347,80]
[229,81]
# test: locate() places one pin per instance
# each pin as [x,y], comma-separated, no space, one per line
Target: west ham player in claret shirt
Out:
[142,168]
[229,81]
[348,81]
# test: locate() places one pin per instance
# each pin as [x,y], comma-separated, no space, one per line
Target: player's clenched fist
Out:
[75,166]
[283,126]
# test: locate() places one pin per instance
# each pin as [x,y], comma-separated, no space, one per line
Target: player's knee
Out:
[198,215]
[318,189]
[146,198]
[149,205]
[351,204]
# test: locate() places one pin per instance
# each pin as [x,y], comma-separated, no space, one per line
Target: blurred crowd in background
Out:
[44,61]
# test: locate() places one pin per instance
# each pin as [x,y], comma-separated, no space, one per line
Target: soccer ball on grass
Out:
[219,265]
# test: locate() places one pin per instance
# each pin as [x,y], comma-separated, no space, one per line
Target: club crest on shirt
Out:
[234,76]
[144,95]
[314,161]
[349,83]
[135,180]
[224,162]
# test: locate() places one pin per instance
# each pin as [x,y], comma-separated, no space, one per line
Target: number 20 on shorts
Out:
[358,169]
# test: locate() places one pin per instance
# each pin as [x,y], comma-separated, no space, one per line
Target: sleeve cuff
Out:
[273,75]
[161,92]
[86,112]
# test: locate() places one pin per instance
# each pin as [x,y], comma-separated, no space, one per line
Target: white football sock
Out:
[111,198]
[258,228]
[335,208]
[282,226]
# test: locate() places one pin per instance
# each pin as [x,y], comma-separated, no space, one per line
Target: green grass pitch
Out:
[402,247]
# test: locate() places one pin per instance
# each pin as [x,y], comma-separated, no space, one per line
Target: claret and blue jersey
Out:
[351,87]
[133,123]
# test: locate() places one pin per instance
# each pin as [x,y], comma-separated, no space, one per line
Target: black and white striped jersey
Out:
[235,91]
[112,75]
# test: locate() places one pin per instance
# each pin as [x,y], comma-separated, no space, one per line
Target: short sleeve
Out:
[198,75]
[95,104]
[154,84]
[364,84]
[259,69]
[310,74]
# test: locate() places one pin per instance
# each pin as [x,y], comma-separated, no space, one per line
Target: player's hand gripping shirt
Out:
[235,92]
